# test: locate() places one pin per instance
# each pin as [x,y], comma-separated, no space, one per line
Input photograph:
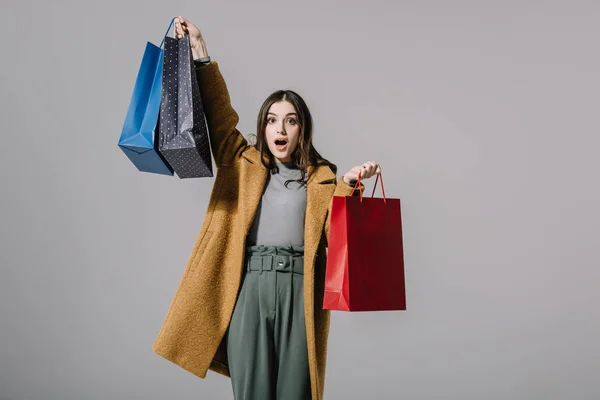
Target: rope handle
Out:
[167,32]
[357,185]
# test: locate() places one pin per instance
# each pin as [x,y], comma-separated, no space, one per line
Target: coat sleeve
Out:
[341,189]
[226,142]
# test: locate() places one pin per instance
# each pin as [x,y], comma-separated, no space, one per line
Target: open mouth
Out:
[281,144]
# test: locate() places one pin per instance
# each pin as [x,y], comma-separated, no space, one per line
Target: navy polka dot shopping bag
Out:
[183,134]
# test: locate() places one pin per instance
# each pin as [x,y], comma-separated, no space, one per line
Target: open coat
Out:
[192,333]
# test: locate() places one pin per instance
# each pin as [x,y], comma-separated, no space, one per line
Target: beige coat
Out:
[192,333]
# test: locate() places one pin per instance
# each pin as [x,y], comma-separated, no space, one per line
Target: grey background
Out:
[483,115]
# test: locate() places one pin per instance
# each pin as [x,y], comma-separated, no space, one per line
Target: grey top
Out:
[279,219]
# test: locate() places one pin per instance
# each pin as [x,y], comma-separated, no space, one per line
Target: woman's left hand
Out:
[367,170]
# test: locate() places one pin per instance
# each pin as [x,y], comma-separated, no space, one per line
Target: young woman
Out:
[249,305]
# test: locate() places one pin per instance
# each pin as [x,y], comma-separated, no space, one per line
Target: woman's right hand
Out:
[184,27]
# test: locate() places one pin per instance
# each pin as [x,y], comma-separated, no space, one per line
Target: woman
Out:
[249,305]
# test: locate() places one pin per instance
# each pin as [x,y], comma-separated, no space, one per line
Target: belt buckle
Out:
[266,263]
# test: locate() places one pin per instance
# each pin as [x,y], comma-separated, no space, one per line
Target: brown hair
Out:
[305,153]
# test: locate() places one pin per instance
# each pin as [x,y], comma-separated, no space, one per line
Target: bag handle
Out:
[167,32]
[357,185]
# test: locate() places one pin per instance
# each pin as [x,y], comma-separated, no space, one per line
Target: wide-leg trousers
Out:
[266,339]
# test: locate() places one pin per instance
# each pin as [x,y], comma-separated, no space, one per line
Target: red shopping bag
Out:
[365,257]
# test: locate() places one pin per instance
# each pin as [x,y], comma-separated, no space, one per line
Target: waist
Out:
[275,258]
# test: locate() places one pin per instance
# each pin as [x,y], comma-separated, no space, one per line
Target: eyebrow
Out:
[287,115]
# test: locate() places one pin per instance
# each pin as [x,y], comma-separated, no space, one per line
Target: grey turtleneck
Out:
[279,219]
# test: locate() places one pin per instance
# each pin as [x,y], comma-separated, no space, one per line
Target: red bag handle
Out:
[357,184]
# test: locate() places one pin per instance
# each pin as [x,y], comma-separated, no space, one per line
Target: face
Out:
[282,131]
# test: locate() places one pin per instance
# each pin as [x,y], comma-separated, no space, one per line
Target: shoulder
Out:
[322,173]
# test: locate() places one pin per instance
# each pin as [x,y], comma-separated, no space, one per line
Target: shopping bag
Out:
[365,255]
[183,134]
[139,132]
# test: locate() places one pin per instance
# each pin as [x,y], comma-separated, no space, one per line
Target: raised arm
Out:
[226,142]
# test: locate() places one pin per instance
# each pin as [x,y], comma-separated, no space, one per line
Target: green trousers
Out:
[266,339]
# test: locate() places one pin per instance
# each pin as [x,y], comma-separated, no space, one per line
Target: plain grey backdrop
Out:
[483,115]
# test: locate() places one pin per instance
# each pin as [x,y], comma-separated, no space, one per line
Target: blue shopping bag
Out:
[138,136]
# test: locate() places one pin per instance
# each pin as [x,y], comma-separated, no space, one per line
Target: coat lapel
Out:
[320,189]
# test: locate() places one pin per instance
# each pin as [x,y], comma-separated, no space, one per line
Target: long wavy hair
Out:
[305,154]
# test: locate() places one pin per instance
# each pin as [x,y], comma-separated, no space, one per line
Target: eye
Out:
[292,121]
[270,120]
